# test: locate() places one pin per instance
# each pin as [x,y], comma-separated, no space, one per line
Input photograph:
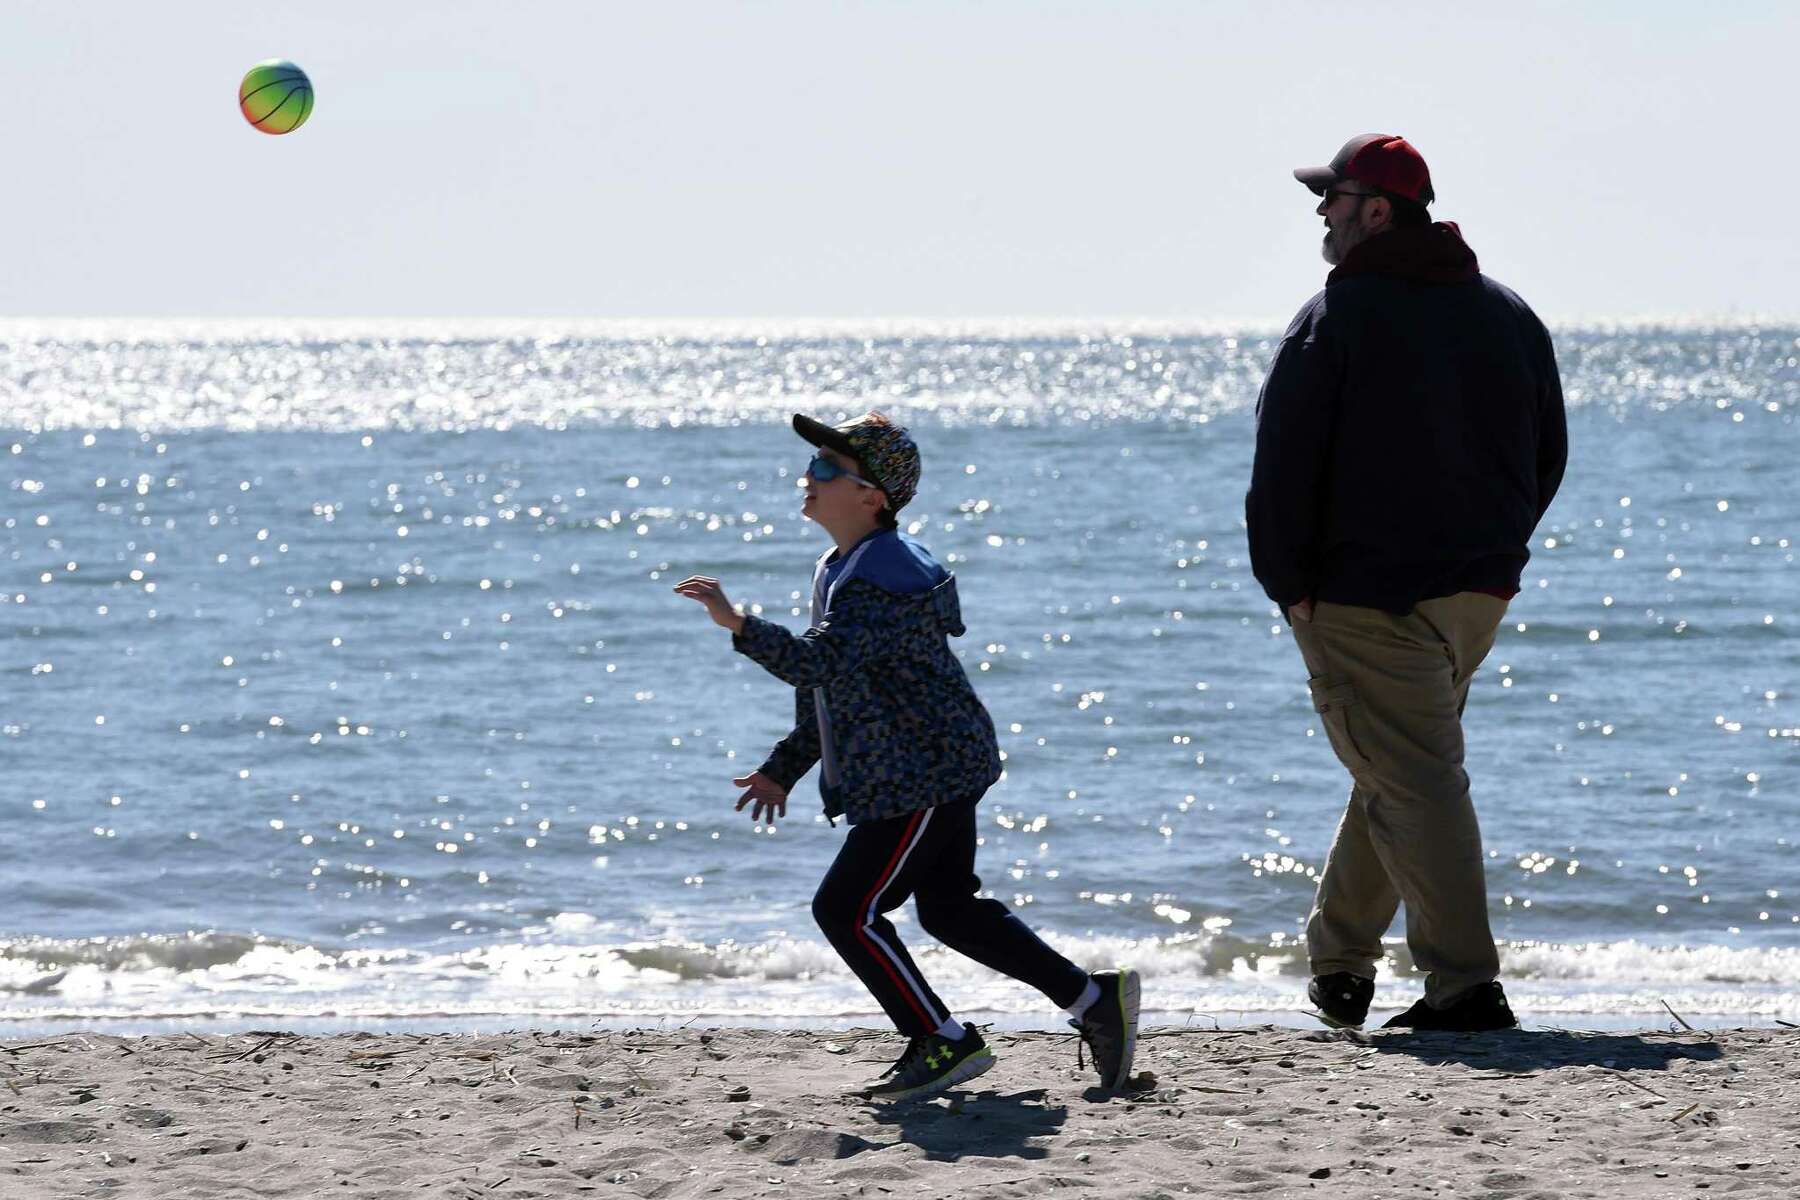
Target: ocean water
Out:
[341,683]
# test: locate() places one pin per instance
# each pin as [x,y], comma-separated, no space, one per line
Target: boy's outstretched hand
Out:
[765,792]
[709,592]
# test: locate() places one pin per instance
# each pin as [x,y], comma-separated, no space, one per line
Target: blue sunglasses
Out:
[823,470]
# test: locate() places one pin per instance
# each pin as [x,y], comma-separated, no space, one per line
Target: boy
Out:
[905,751]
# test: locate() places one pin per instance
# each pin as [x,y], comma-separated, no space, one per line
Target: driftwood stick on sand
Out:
[1679,1018]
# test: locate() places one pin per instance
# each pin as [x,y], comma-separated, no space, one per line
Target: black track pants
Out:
[930,856]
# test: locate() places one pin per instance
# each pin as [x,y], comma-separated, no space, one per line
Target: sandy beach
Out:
[687,1112]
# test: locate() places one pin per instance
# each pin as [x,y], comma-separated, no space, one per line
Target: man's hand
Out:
[709,592]
[1301,610]
[765,792]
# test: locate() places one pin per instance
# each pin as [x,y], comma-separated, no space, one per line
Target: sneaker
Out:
[1480,1009]
[1341,998]
[931,1065]
[1110,1026]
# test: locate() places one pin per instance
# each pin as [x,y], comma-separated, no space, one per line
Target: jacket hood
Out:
[938,608]
[894,563]
[914,587]
[1433,254]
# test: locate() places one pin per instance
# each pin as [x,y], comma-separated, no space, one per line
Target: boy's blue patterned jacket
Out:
[907,728]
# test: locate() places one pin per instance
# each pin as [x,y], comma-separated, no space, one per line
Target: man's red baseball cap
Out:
[1379,160]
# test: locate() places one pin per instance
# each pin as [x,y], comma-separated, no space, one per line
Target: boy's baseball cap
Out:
[1380,160]
[883,450]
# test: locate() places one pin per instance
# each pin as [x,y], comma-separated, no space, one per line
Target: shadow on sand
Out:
[983,1125]
[1547,1049]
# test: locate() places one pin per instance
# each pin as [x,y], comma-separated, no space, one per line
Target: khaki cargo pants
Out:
[1390,692]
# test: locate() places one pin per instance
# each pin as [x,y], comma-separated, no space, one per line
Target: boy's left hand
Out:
[769,796]
[711,593]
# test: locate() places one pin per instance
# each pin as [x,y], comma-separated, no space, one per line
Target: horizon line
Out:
[51,327]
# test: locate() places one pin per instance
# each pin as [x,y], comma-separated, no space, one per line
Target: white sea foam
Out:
[220,976]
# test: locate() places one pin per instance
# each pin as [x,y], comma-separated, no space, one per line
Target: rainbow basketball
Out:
[276,96]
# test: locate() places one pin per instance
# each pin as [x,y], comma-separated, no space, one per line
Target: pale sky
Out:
[987,158]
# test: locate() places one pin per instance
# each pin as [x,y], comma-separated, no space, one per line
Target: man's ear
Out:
[1377,211]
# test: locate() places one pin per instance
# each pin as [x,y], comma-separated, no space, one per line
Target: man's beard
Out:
[1338,243]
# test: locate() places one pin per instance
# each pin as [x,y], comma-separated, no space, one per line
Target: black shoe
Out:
[1480,1009]
[1341,998]
[1110,1024]
[931,1065]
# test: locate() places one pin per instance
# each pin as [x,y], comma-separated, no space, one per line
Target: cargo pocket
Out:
[1334,702]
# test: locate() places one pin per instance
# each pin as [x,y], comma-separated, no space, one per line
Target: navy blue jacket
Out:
[1410,433]
[907,729]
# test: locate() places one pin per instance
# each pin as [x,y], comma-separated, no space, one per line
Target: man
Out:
[1409,437]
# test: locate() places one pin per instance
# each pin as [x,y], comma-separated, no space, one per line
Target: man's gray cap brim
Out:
[1317,179]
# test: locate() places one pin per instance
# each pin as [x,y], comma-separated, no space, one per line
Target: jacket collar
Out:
[1434,254]
[832,555]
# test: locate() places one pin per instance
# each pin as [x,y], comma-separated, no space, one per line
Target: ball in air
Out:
[276,96]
